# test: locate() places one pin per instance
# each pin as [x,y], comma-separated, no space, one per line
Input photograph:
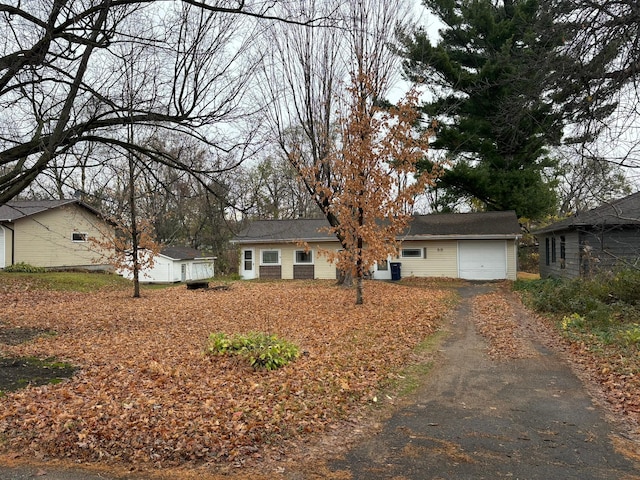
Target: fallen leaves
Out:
[148,395]
[498,323]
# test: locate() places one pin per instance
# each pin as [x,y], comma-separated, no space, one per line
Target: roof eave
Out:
[283,240]
[475,236]
[506,236]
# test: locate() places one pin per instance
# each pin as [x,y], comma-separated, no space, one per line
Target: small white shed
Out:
[177,264]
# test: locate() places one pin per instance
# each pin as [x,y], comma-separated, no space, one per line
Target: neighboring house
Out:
[474,246]
[54,234]
[600,239]
[176,264]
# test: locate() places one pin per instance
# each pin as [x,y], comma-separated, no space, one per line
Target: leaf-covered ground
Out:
[146,395]
[611,371]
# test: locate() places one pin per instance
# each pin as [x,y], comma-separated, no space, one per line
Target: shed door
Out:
[482,259]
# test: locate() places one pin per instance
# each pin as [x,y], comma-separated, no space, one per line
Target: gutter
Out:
[283,240]
[500,236]
[402,239]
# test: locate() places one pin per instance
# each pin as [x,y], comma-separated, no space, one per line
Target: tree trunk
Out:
[359,290]
[345,279]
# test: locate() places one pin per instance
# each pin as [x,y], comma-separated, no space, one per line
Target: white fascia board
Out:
[460,237]
[287,240]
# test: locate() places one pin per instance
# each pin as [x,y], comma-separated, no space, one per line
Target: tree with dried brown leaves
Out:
[370,192]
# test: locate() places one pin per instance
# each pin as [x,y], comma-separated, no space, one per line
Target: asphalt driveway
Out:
[477,418]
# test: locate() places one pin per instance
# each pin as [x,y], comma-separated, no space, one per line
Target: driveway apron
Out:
[477,418]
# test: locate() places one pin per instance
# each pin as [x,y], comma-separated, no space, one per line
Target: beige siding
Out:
[322,268]
[45,239]
[441,261]
[512,260]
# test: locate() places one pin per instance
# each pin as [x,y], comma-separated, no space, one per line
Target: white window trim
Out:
[271,250]
[423,252]
[387,264]
[85,236]
[295,257]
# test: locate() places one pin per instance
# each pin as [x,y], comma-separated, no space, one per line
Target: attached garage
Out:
[482,259]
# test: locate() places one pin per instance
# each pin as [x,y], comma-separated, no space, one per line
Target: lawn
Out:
[146,396]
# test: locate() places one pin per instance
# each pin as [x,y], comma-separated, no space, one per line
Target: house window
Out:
[270,257]
[79,237]
[553,250]
[546,251]
[304,257]
[413,253]
[563,251]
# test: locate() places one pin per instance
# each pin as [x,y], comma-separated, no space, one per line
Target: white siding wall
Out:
[167,270]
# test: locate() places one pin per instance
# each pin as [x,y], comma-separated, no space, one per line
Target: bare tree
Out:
[600,90]
[586,181]
[311,71]
[60,78]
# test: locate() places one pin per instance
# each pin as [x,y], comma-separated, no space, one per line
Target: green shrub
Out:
[625,286]
[573,321]
[23,268]
[262,351]
[219,344]
[630,335]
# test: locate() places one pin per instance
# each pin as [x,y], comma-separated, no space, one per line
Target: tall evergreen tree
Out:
[491,72]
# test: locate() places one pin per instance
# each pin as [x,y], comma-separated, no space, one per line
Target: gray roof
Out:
[624,211]
[17,209]
[445,225]
[491,224]
[183,253]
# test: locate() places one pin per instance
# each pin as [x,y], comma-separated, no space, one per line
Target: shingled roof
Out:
[624,211]
[15,210]
[449,225]
[183,253]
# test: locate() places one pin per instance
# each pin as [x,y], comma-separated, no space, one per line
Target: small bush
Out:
[572,321]
[625,286]
[261,350]
[219,344]
[630,335]
[23,268]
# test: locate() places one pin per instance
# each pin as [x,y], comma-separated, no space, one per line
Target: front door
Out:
[248,264]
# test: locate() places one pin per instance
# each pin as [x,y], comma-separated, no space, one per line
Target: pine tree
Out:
[491,72]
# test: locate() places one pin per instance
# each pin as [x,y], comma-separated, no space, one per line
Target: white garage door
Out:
[482,259]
